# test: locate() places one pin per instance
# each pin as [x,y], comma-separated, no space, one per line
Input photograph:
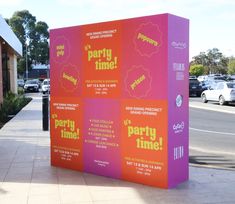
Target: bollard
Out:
[45,121]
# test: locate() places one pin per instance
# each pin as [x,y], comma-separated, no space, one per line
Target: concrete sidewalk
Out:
[27,177]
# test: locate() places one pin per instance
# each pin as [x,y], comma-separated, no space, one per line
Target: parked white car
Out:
[224,92]
[46,86]
[31,85]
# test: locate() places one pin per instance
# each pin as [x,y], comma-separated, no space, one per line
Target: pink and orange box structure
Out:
[119,99]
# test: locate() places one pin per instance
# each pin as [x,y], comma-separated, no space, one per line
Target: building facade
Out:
[39,71]
[10,48]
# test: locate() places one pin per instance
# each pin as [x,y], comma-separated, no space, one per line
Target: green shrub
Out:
[11,105]
[196,70]
[20,90]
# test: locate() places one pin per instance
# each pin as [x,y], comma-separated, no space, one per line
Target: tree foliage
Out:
[231,66]
[33,36]
[196,69]
[212,60]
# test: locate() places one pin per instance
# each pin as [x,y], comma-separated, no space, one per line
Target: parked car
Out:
[202,78]
[224,92]
[231,78]
[20,82]
[46,86]
[38,82]
[31,85]
[195,88]
[192,77]
[204,86]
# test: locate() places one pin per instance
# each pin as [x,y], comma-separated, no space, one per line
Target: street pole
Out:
[26,50]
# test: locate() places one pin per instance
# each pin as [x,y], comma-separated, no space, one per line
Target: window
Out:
[231,85]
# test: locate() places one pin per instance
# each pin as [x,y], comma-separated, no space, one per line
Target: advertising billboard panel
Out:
[119,99]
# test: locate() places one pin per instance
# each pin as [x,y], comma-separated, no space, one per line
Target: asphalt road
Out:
[212,134]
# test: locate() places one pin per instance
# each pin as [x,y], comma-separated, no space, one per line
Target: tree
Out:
[39,43]
[200,59]
[231,66]
[196,69]
[213,61]
[33,36]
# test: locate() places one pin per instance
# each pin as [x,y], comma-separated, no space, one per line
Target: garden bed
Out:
[12,104]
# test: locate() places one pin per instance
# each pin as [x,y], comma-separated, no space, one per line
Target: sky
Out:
[211,21]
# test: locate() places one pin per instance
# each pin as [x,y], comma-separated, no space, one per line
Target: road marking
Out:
[210,151]
[218,109]
[209,131]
